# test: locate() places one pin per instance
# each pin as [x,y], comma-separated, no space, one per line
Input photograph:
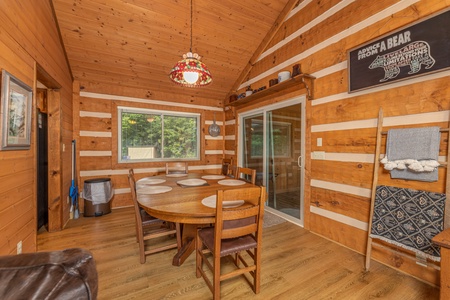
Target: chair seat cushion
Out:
[228,246]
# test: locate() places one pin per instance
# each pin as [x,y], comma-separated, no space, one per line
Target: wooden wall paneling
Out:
[421,96]
[295,22]
[341,233]
[90,143]
[25,32]
[351,173]
[264,43]
[307,192]
[19,230]
[404,261]
[358,140]
[94,104]
[21,47]
[355,12]
[15,59]
[362,140]
[89,163]
[213,159]
[353,206]
[95,124]
[141,93]
[426,96]
[55,201]
[214,144]
[122,200]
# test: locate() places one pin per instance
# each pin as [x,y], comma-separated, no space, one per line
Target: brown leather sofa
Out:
[66,274]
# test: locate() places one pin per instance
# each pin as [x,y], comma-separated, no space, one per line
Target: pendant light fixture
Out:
[190,71]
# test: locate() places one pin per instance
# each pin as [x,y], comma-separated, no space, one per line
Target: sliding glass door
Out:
[272,143]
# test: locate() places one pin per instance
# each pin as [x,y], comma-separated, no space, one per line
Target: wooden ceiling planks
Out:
[135,43]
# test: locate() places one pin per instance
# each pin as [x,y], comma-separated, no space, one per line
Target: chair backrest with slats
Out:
[247,174]
[242,220]
[137,209]
[177,168]
[227,164]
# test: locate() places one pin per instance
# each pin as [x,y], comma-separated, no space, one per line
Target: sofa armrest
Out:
[66,274]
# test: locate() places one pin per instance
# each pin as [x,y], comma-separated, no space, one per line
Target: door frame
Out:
[263,110]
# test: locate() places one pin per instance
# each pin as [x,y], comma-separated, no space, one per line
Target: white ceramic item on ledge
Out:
[248,93]
[283,76]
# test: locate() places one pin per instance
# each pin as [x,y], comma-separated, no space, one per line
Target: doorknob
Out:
[299,161]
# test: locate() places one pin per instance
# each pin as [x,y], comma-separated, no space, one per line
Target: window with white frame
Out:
[150,135]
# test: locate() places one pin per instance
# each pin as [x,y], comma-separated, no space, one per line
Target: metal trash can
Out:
[97,194]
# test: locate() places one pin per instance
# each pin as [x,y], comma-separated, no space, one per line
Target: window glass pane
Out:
[180,137]
[141,136]
[156,135]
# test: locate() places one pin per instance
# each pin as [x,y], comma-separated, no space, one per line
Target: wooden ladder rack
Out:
[376,169]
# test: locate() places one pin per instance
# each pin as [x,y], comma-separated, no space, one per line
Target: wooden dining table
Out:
[170,200]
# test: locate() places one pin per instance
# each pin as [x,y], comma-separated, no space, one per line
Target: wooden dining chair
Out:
[237,235]
[177,167]
[227,167]
[148,227]
[247,174]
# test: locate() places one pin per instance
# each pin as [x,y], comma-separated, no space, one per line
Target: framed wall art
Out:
[415,50]
[15,111]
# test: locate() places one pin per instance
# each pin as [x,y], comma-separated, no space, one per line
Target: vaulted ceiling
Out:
[135,43]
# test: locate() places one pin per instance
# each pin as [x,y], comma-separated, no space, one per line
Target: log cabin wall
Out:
[318,34]
[30,49]
[96,123]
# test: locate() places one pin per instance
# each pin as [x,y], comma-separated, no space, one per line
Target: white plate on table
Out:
[211,202]
[231,182]
[156,189]
[149,180]
[213,177]
[176,175]
[192,182]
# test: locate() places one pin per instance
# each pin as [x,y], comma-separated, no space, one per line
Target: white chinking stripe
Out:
[339,218]
[339,187]
[220,123]
[298,8]
[209,137]
[143,170]
[230,137]
[330,70]
[423,118]
[95,153]
[94,114]
[343,34]
[96,133]
[307,27]
[212,152]
[140,100]
[122,191]
[401,83]
[349,157]
[355,157]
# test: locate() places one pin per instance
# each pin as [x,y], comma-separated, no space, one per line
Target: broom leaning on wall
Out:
[74,209]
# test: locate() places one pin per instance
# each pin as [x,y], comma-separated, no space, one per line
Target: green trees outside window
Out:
[147,135]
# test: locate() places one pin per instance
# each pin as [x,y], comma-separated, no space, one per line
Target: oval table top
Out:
[183,203]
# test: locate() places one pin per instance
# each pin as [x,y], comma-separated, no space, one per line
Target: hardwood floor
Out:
[295,265]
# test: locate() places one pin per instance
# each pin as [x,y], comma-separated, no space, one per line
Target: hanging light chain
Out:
[190,48]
